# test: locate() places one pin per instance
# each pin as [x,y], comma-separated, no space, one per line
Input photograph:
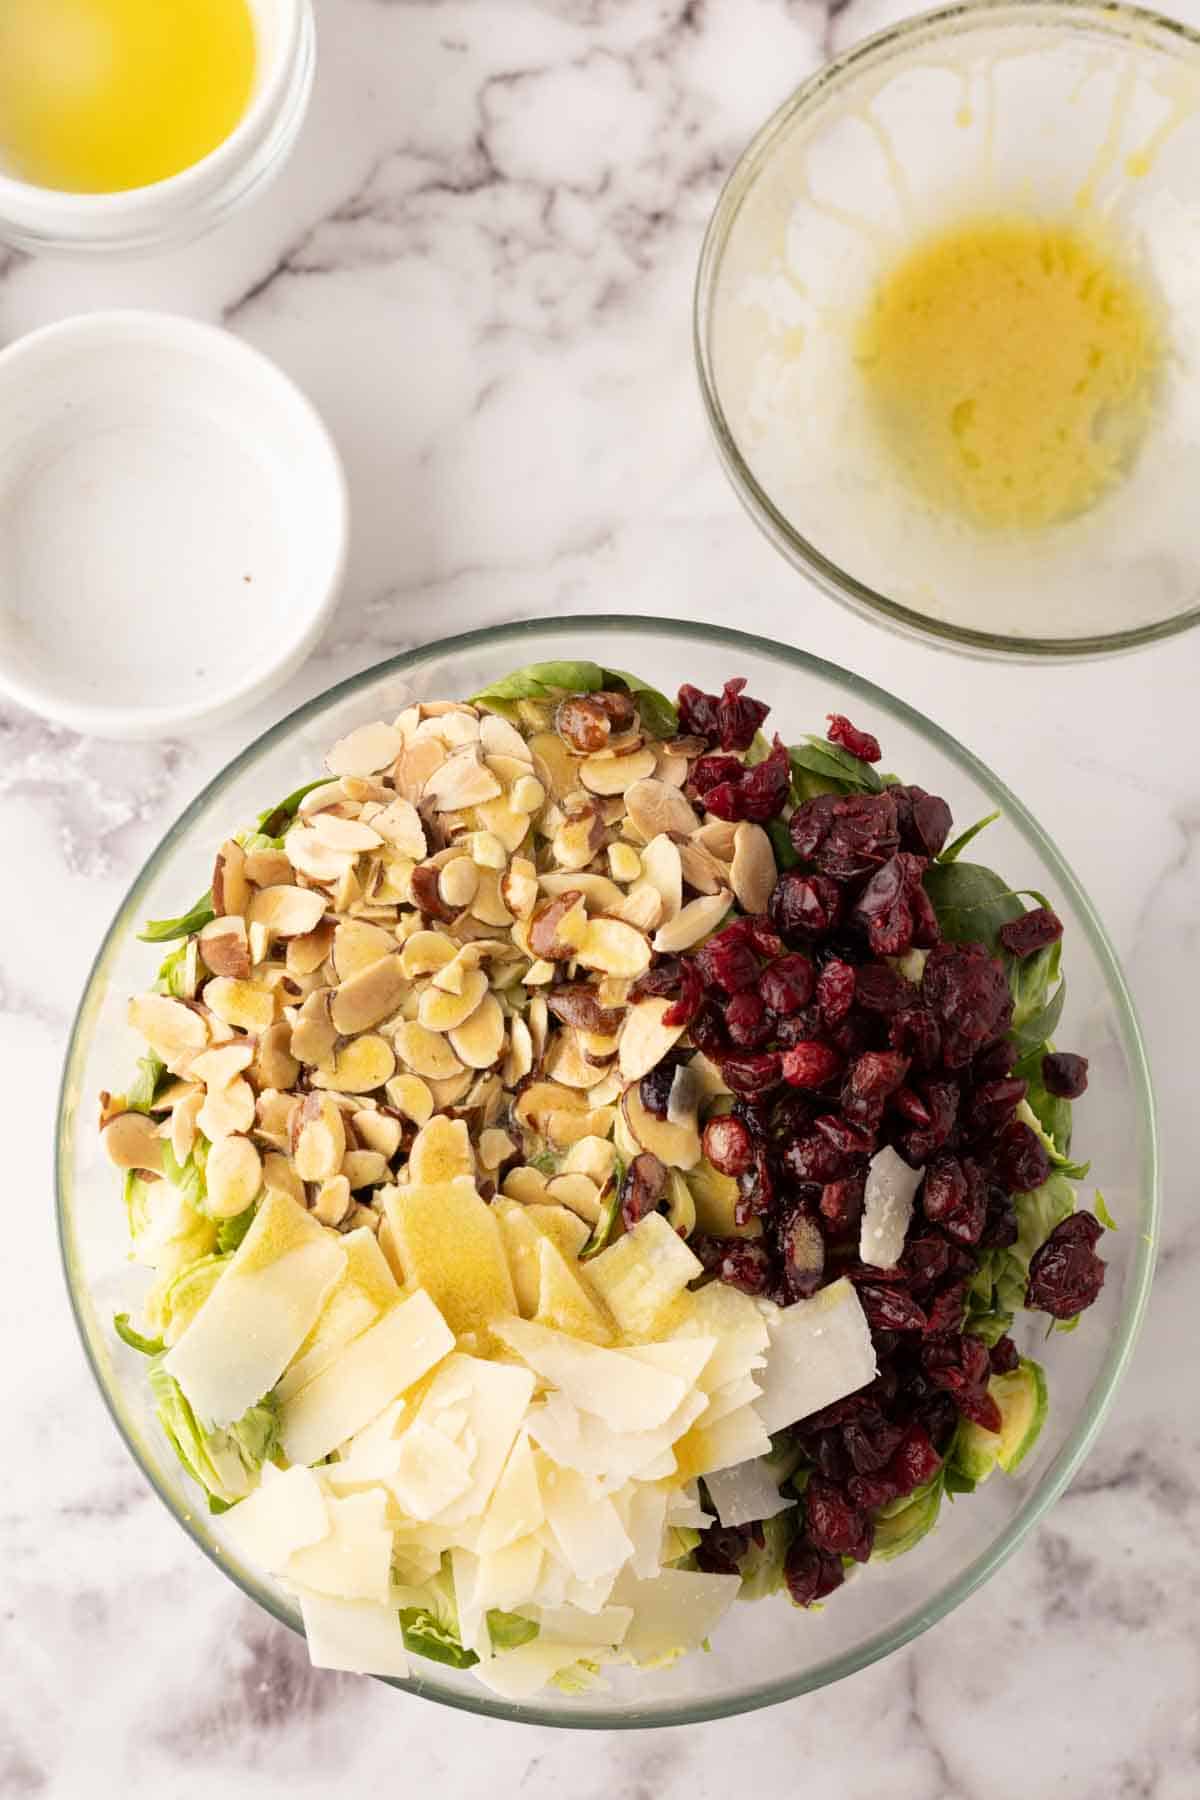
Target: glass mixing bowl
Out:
[762,1652]
[1062,112]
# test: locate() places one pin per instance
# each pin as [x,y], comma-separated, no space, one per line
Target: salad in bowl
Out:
[597,1161]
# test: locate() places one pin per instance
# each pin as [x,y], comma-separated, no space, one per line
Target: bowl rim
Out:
[1112,17]
[523,634]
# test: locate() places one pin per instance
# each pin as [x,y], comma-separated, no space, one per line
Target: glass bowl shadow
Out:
[762,1653]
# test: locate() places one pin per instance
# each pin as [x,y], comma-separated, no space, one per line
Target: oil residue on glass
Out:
[98,96]
[1010,367]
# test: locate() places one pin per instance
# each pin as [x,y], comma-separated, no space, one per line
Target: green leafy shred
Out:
[831,764]
[426,1636]
[1100,1208]
[269,823]
[552,680]
[175,970]
[161,931]
[125,1331]
[141,1092]
[902,1529]
[761,1566]
[781,844]
[188,1176]
[971,903]
[508,1631]
[225,1463]
[610,1210]
[954,850]
[230,1232]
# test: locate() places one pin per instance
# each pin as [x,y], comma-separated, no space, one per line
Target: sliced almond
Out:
[230,890]
[219,1066]
[558,928]
[267,868]
[577,840]
[327,793]
[273,1118]
[591,1156]
[359,1066]
[172,1029]
[346,891]
[554,764]
[345,834]
[701,869]
[371,995]
[566,1063]
[567,1128]
[503,821]
[411,1096]
[131,1141]
[524,1184]
[306,954]
[539,973]
[425,1052]
[379,1130]
[233,1176]
[246,1005]
[425,952]
[538,1018]
[486,851]
[655,806]
[318,1138]
[279,1177]
[528,795]
[461,781]
[609,774]
[494,1147]
[440,1011]
[671,769]
[719,836]
[287,912]
[452,1091]
[310,857]
[258,939]
[692,923]
[678,1146]
[415,765]
[332,1202]
[185,1125]
[578,1194]
[364,1168]
[365,751]
[313,1036]
[536,1102]
[614,948]
[488,905]
[624,862]
[358,945]
[274,1065]
[519,1060]
[646,1039]
[498,738]
[226,1110]
[600,893]
[641,907]
[458,882]
[662,867]
[400,825]
[225,947]
[753,872]
[441,1152]
[480,1041]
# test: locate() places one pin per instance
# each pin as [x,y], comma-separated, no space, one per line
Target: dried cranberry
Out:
[1066,1275]
[918,1034]
[791,1116]
[850,1140]
[691,996]
[721,1548]
[871,1079]
[644,1186]
[909,1104]
[810,1065]
[1064,1074]
[1000,1227]
[788,984]
[862,834]
[884,909]
[991,1104]
[995,1061]
[961,1366]
[836,987]
[925,1260]
[739,1262]
[937,1416]
[953,1196]
[751,1074]
[880,989]
[659,982]
[738,717]
[870,1442]
[834,1524]
[759,932]
[728,1145]
[1032,931]
[756,1190]
[1004,1357]
[858,743]
[810,1574]
[697,712]
[655,1087]
[748,1021]
[946,1309]
[941,1099]
[967,992]
[735,791]
[927,930]
[802,1253]
[915,1461]
[803,906]
[870,1492]
[828,1452]
[841,1203]
[814,1158]
[924,820]
[727,961]
[890,1307]
[707,1031]
[1019,1158]
[709,772]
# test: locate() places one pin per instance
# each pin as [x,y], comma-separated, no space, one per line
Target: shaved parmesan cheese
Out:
[506,1578]
[563,1302]
[733,1319]
[354,1561]
[586,1527]
[516,1506]
[430,1471]
[685,1357]
[674,1612]
[472,1617]
[733,1439]
[571,1625]
[377,1366]
[727,1399]
[365,1288]
[353,1635]
[643,1274]
[284,1514]
[523,1672]
[616,1387]
[577,1440]
[495,1397]
[887,1208]
[820,1351]
[746,1492]
[253,1323]
[643,1512]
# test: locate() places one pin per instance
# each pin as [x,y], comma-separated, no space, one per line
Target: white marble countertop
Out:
[479,266]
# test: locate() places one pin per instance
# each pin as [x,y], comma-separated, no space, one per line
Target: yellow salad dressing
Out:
[97,96]
[1010,367]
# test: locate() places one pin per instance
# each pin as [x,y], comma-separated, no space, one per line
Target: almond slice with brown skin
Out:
[753,873]
[368,997]
[557,929]
[614,948]
[480,1042]
[400,825]
[274,1066]
[426,1053]
[598,891]
[645,1038]
[693,922]
[655,806]
[172,1029]
[267,868]
[425,952]
[230,889]
[701,869]
[246,1005]
[306,954]
[225,946]
[440,1011]
[318,1138]
[227,1110]
[677,1146]
[361,1064]
[131,1141]
[285,910]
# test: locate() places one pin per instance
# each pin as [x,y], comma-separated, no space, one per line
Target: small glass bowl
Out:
[769,1651]
[186,205]
[1057,110]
